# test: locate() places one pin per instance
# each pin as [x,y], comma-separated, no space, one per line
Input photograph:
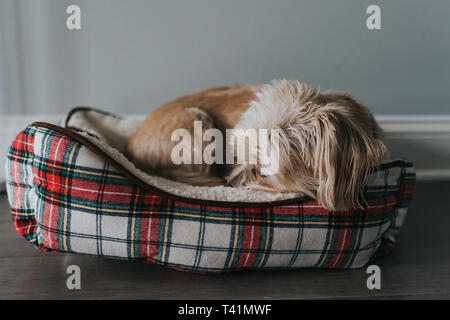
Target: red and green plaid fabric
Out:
[66,197]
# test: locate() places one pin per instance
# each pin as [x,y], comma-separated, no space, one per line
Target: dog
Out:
[328,141]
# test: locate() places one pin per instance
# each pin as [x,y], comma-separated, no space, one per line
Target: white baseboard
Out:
[421,139]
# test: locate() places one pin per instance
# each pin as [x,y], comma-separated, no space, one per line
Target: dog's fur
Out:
[329,142]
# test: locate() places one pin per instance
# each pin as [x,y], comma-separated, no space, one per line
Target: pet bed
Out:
[71,189]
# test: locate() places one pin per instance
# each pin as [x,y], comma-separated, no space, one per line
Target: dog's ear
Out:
[344,155]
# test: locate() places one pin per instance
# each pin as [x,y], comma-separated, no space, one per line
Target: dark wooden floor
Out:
[419,268]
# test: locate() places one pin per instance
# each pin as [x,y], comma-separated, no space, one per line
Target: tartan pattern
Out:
[65,197]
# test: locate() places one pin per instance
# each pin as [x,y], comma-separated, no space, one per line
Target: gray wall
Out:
[131,56]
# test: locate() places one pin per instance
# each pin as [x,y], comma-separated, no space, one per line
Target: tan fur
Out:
[150,147]
[329,141]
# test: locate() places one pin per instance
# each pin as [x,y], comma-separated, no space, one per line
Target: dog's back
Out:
[150,148]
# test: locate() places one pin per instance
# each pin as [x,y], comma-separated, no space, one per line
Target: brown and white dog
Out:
[329,142]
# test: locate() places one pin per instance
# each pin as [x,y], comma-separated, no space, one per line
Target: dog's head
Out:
[327,144]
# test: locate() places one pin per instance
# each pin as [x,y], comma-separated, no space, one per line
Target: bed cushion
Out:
[69,194]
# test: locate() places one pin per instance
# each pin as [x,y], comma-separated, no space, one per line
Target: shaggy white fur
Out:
[112,134]
[280,105]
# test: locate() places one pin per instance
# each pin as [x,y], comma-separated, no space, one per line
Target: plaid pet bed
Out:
[66,195]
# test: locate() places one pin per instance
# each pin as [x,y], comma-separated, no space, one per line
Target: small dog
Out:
[329,142]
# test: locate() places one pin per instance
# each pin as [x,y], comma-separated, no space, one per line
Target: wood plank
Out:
[45,278]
